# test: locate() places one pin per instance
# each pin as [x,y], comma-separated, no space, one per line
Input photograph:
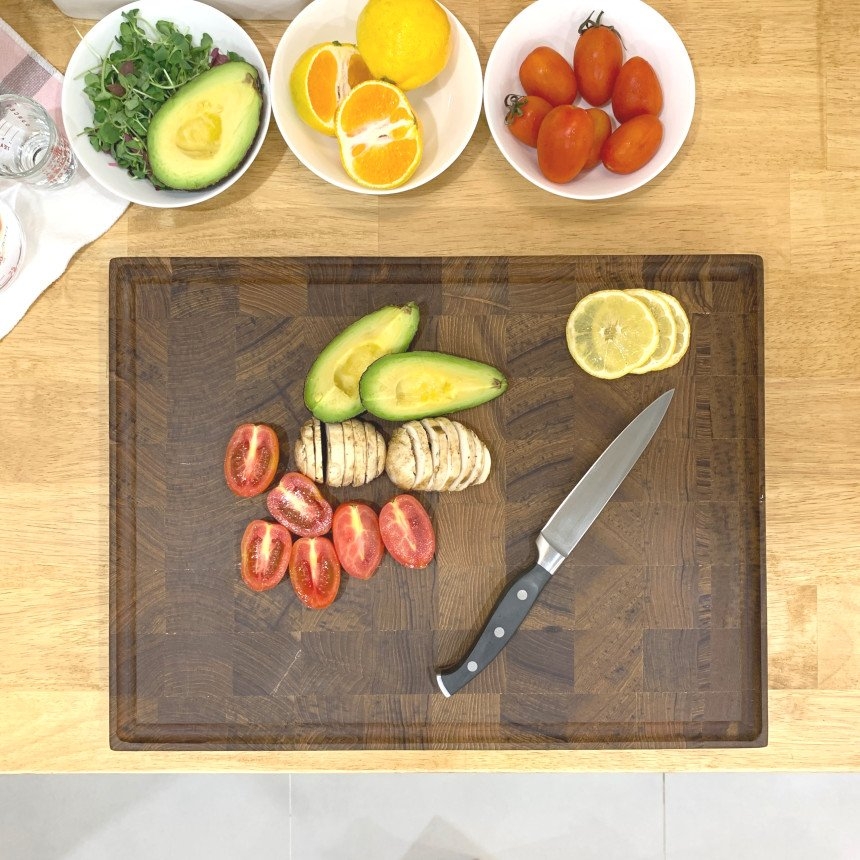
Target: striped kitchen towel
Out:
[56,222]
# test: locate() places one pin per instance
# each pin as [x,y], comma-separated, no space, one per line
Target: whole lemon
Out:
[407,42]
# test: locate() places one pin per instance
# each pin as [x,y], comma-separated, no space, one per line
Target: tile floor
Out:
[431,817]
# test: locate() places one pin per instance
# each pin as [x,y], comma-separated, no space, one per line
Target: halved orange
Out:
[379,135]
[322,78]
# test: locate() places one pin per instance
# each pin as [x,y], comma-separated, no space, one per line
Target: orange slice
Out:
[379,136]
[323,76]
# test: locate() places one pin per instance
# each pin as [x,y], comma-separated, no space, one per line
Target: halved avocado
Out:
[424,384]
[331,387]
[201,134]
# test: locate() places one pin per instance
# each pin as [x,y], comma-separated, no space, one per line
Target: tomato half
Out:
[637,90]
[597,60]
[357,540]
[545,73]
[266,551]
[407,531]
[298,504]
[524,116]
[564,142]
[633,144]
[602,130]
[251,459]
[315,571]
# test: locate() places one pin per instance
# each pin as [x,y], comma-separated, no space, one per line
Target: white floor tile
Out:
[477,816]
[144,817]
[758,816]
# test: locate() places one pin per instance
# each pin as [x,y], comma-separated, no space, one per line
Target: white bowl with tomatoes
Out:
[589,102]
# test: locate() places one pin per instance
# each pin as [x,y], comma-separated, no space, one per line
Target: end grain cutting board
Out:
[651,634]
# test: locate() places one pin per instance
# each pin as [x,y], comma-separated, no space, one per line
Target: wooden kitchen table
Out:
[770,167]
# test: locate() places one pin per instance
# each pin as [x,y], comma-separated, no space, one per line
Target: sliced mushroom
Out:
[485,469]
[440,453]
[468,454]
[423,456]
[400,459]
[480,450]
[335,461]
[380,452]
[359,451]
[454,455]
[370,459]
[348,454]
[319,449]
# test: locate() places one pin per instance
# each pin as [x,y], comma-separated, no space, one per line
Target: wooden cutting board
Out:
[652,633]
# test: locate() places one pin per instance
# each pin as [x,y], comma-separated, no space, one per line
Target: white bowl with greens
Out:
[131,64]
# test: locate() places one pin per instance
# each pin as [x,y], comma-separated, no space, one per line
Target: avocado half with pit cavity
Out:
[203,132]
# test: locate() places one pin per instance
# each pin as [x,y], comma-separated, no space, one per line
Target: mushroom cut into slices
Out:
[436,454]
[349,454]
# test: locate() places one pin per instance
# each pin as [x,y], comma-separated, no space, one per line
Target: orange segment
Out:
[379,136]
[323,76]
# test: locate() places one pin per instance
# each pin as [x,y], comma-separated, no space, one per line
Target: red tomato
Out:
[357,541]
[564,142]
[407,531]
[602,130]
[545,73]
[315,571]
[597,60]
[636,90]
[298,504]
[524,116]
[251,459]
[632,144]
[265,554]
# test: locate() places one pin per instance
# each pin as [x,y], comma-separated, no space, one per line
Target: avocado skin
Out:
[468,383]
[333,404]
[195,175]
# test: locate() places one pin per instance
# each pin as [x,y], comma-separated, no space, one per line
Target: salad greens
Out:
[149,65]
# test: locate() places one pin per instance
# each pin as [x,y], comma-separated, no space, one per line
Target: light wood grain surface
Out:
[770,167]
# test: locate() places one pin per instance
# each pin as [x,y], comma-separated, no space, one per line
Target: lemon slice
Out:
[610,332]
[682,329]
[666,325]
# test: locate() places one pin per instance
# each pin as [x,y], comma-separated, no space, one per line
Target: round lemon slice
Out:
[682,329]
[666,325]
[610,332]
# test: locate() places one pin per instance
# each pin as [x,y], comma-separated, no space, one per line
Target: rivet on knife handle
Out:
[512,608]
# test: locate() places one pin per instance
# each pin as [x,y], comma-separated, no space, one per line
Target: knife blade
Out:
[557,539]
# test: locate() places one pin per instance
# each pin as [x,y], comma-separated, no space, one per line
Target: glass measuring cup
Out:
[31,147]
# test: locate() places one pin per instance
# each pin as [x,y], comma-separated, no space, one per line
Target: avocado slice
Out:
[416,385]
[331,387]
[203,131]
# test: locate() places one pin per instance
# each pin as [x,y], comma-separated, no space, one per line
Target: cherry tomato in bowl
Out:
[357,539]
[602,130]
[251,459]
[265,551]
[564,142]
[298,504]
[407,531]
[636,91]
[545,73]
[633,144]
[315,571]
[524,116]
[597,59]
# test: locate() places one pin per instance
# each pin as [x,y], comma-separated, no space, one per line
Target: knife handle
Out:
[512,607]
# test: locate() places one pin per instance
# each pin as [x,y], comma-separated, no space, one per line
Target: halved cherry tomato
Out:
[251,459]
[597,60]
[407,531]
[524,116]
[632,144]
[602,130]
[298,504]
[265,554]
[357,540]
[315,571]
[545,73]
[637,90]
[564,142]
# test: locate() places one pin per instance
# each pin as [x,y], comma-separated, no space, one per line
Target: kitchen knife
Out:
[563,531]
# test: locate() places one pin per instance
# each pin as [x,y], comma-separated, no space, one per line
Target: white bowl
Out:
[448,107]
[645,33]
[189,16]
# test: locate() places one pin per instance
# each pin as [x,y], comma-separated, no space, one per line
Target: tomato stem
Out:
[514,103]
[589,24]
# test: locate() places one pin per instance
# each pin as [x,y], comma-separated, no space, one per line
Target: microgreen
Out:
[131,83]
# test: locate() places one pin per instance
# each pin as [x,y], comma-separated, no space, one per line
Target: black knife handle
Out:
[512,607]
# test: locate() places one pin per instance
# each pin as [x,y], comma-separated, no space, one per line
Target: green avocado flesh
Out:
[331,387]
[424,384]
[202,133]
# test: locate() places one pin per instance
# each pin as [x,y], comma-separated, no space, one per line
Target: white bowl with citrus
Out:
[382,123]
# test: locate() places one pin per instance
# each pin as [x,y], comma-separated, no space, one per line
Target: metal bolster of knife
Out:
[510,610]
